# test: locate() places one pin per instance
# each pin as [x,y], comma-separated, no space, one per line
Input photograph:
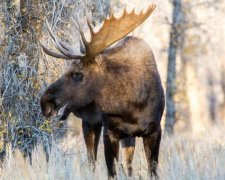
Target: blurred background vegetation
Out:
[186,37]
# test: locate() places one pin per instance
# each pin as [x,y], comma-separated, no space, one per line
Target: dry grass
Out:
[185,156]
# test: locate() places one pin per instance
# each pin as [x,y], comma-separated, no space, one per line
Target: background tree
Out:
[193,42]
[171,70]
[222,106]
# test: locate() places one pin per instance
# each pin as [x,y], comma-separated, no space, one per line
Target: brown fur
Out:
[122,89]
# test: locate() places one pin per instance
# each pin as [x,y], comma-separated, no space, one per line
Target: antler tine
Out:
[56,42]
[84,41]
[82,47]
[90,26]
[52,53]
[64,48]
[69,50]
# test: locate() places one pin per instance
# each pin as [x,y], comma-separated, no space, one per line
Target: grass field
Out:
[182,157]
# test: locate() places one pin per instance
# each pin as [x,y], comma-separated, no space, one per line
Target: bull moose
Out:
[117,87]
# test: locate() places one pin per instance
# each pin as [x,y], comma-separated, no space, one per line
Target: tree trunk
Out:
[211,97]
[171,70]
[182,102]
[31,25]
[223,90]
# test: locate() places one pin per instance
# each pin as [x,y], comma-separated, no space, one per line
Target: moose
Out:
[114,86]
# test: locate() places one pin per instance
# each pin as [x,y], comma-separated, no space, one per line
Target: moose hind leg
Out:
[128,145]
[111,147]
[151,145]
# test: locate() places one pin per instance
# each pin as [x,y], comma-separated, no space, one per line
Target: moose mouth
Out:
[63,112]
[60,112]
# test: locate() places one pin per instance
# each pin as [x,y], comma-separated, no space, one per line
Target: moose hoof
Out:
[153,170]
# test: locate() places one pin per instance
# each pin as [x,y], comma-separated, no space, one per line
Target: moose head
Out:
[84,82]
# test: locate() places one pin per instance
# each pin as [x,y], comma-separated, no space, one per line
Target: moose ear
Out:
[99,59]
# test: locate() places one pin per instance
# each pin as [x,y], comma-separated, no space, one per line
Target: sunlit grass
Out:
[184,156]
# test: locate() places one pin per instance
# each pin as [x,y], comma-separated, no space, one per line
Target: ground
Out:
[182,156]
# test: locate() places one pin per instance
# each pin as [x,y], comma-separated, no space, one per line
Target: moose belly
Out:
[132,127]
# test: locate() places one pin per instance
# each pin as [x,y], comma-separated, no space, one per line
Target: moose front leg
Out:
[91,137]
[128,145]
[151,145]
[97,132]
[111,147]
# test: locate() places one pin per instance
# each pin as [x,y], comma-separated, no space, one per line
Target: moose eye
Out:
[78,76]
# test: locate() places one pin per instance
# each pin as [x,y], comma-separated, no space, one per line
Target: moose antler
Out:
[66,52]
[112,30]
